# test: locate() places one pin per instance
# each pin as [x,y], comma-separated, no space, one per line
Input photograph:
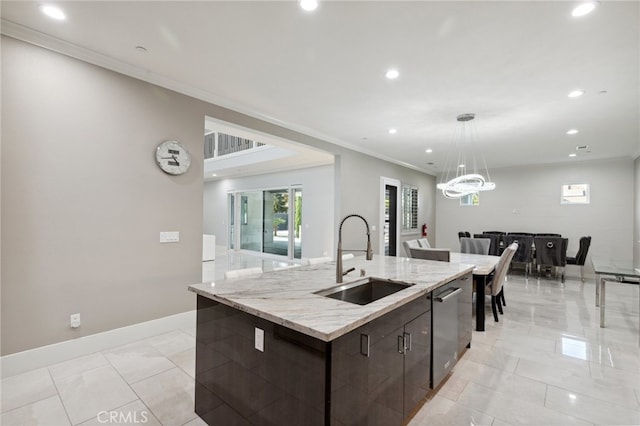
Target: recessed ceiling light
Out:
[572,131]
[576,93]
[392,74]
[213,175]
[309,5]
[53,12]
[428,150]
[393,131]
[584,9]
[460,165]
[572,154]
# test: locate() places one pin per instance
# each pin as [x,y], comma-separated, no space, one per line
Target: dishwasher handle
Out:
[452,292]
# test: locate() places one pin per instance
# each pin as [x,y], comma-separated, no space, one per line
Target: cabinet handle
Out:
[464,279]
[364,345]
[401,346]
[407,338]
[451,294]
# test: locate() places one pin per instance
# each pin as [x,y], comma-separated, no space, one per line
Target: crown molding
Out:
[37,38]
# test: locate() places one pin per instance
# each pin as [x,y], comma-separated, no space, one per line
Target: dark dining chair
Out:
[495,248]
[464,234]
[581,257]
[521,233]
[524,254]
[551,252]
[547,235]
[475,245]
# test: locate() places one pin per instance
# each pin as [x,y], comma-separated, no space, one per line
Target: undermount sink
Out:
[364,291]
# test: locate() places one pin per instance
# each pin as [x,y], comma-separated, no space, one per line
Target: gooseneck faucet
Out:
[369,251]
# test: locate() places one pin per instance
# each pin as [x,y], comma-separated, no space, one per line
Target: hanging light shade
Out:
[462,175]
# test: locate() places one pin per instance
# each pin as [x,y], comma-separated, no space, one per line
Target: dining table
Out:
[484,265]
[615,271]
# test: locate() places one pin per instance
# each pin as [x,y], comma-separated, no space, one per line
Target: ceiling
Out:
[323,72]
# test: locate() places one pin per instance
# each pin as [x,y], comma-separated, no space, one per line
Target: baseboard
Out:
[21,362]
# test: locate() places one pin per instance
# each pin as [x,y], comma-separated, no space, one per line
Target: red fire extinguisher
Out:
[424,230]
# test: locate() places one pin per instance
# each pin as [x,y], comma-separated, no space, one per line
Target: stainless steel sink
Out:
[364,291]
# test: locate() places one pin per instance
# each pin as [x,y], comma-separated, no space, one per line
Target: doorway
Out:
[268,221]
[389,214]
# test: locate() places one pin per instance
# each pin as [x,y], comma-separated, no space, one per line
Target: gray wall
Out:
[359,192]
[317,205]
[83,202]
[636,210]
[528,199]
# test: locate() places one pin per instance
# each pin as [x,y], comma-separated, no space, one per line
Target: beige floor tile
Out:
[87,394]
[47,411]
[173,342]
[25,388]
[77,366]
[590,409]
[138,361]
[512,408]
[169,395]
[186,360]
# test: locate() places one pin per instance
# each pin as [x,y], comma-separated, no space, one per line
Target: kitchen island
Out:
[271,351]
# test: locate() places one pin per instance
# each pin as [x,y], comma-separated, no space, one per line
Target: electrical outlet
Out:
[259,339]
[74,320]
[170,237]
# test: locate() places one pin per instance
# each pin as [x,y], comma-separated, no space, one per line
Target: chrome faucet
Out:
[369,251]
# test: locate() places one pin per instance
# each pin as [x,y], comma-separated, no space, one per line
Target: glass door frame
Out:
[234,198]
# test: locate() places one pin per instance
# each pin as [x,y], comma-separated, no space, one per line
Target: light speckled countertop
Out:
[286,297]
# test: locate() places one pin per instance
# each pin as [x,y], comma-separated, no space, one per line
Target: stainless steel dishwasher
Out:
[444,347]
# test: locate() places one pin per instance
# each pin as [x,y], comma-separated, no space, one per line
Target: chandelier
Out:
[460,176]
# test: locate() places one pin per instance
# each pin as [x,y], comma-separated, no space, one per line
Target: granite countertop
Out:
[286,297]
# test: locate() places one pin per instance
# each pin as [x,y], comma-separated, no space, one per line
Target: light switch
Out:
[259,339]
[169,237]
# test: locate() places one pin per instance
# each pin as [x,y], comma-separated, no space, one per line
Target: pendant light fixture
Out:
[461,175]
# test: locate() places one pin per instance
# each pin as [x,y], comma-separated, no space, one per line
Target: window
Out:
[575,193]
[409,208]
[470,200]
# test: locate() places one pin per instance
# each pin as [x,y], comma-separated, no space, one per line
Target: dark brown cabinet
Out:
[375,375]
[380,371]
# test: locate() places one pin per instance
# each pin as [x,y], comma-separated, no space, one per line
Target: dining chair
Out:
[240,273]
[524,254]
[496,242]
[495,286]
[551,252]
[424,243]
[581,257]
[475,245]
[408,245]
[440,254]
[318,260]
[464,234]
[547,235]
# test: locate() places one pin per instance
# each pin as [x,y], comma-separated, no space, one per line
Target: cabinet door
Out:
[465,313]
[417,361]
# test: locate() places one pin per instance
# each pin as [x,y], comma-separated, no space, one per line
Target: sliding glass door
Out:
[267,221]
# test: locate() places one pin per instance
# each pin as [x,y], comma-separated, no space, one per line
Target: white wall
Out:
[527,199]
[317,205]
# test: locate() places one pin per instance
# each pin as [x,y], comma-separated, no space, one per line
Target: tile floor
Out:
[547,362]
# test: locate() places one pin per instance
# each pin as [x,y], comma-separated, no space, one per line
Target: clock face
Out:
[173,158]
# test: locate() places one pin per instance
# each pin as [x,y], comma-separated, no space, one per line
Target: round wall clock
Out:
[173,158]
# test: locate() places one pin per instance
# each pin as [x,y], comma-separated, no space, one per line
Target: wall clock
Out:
[173,158]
